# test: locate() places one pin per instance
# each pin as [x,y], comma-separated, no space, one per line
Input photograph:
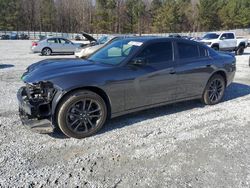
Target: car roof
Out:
[156,38]
[149,39]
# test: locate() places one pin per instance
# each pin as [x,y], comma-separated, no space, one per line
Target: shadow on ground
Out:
[4,66]
[234,91]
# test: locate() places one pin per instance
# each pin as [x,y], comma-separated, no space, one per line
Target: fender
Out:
[215,45]
[242,44]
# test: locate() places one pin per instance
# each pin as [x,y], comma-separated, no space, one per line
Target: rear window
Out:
[230,36]
[187,50]
[203,51]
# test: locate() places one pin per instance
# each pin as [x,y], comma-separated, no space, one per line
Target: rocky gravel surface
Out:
[180,145]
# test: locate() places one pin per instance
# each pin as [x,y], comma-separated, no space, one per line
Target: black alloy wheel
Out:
[82,114]
[214,90]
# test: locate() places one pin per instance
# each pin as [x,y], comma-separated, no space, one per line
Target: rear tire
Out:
[81,114]
[214,90]
[240,50]
[46,51]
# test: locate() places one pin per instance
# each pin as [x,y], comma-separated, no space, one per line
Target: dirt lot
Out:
[181,145]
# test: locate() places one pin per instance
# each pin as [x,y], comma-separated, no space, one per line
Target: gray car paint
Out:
[131,87]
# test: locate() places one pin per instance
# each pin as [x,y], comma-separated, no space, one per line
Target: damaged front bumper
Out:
[35,115]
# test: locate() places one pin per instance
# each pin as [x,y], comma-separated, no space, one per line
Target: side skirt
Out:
[152,106]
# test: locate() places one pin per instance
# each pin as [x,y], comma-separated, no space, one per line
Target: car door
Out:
[227,41]
[232,42]
[193,69]
[67,46]
[154,81]
[224,41]
[53,44]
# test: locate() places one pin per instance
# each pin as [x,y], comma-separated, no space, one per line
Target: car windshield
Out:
[211,36]
[102,40]
[115,52]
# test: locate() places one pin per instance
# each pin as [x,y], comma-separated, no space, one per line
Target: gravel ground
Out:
[181,145]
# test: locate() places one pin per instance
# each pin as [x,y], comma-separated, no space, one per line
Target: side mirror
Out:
[139,61]
[222,38]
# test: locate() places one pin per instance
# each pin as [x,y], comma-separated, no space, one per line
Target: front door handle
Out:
[208,65]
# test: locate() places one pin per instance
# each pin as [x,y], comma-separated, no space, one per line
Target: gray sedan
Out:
[54,45]
[78,96]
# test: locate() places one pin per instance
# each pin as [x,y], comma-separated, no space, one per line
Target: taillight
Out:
[34,43]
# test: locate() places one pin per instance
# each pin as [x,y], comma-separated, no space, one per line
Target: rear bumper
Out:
[35,49]
[31,116]
[230,78]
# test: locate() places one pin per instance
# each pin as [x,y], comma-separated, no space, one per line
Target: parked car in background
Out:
[5,37]
[23,36]
[187,37]
[42,37]
[175,35]
[14,36]
[77,38]
[85,51]
[88,38]
[54,45]
[225,41]
[77,96]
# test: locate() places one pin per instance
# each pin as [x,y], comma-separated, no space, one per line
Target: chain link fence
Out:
[35,35]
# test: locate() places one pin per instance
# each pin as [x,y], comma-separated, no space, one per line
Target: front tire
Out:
[81,114]
[214,90]
[216,48]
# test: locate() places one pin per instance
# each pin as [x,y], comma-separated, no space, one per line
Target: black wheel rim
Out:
[84,116]
[215,90]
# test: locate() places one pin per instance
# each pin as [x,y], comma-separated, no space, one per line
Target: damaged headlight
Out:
[40,91]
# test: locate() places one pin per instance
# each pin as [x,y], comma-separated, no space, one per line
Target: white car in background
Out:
[225,41]
[85,51]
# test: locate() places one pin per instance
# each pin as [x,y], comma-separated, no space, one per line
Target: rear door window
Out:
[187,50]
[203,51]
[230,36]
[157,52]
[52,41]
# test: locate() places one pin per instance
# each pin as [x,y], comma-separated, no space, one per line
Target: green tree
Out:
[208,15]
[135,10]
[105,16]
[9,14]
[170,17]
[47,15]
[235,14]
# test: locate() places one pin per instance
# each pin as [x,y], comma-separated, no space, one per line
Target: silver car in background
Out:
[54,45]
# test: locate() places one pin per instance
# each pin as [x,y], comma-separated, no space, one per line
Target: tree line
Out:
[123,16]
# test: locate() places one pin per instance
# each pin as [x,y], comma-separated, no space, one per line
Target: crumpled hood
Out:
[47,69]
